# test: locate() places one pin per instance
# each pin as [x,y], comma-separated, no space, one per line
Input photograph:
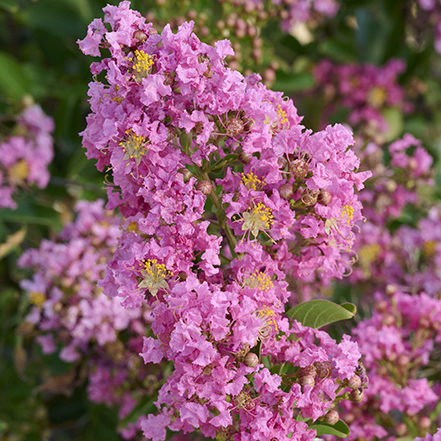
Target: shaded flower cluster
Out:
[366,90]
[398,344]
[25,154]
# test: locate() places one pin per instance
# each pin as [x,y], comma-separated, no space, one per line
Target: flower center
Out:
[258,218]
[348,210]
[252,182]
[134,147]
[142,64]
[154,275]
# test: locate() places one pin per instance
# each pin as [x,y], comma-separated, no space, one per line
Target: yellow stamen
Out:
[281,114]
[252,182]
[348,210]
[37,298]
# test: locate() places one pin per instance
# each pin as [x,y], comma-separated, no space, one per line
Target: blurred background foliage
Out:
[40,61]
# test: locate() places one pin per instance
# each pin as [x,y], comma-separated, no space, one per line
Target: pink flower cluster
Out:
[395,185]
[175,125]
[72,316]
[25,154]
[68,307]
[396,343]
[367,90]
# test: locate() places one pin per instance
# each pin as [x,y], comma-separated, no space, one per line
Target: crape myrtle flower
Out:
[25,154]
[396,344]
[222,192]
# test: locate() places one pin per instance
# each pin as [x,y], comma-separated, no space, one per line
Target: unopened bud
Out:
[307,380]
[424,422]
[403,360]
[332,417]
[324,197]
[349,417]
[391,290]
[413,164]
[381,306]
[192,14]
[356,396]
[401,429]
[388,319]
[186,173]
[244,158]
[354,382]
[140,35]
[204,187]
[285,191]
[251,359]
[391,186]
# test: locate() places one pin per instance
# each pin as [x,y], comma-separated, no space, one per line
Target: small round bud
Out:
[249,6]
[332,417]
[257,54]
[204,31]
[140,35]
[307,380]
[388,319]
[286,191]
[354,382]
[356,396]
[220,24]
[269,75]
[401,429]
[257,42]
[231,20]
[251,31]
[391,186]
[57,307]
[382,371]
[150,16]
[251,359]
[381,306]
[234,127]
[186,173]
[349,417]
[424,422]
[403,360]
[413,164]
[204,187]
[192,14]
[244,158]
[324,197]
[308,370]
[391,290]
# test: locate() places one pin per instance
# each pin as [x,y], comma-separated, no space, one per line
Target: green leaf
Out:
[13,80]
[394,119]
[9,5]
[338,429]
[318,313]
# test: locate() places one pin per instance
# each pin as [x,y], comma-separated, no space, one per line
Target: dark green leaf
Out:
[318,313]
[338,429]
[13,80]
[9,5]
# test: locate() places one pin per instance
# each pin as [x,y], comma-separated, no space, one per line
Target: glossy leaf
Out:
[318,313]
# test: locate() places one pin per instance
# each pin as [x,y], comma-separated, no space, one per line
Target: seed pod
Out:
[186,173]
[251,359]
[324,369]
[299,167]
[401,429]
[309,197]
[204,187]
[332,417]
[234,127]
[424,422]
